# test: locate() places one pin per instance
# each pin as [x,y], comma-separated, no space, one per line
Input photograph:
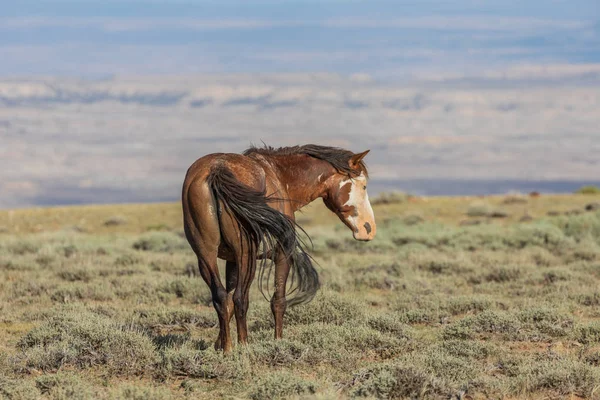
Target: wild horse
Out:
[240,208]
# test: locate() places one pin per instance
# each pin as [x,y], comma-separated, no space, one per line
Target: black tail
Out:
[266,228]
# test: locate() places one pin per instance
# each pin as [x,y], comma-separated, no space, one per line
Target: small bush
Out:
[327,307]
[479,210]
[392,324]
[22,247]
[393,197]
[125,260]
[345,345]
[589,189]
[160,242]
[208,364]
[465,304]
[397,381]
[514,199]
[412,219]
[17,389]
[589,333]
[179,317]
[467,349]
[74,275]
[485,322]
[501,275]
[498,214]
[545,321]
[281,385]
[282,352]
[135,392]
[83,340]
[115,221]
[64,385]
[561,376]
[194,290]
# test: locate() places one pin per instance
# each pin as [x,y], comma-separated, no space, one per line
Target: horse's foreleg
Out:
[278,301]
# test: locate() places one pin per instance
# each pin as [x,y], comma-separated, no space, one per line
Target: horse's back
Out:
[247,170]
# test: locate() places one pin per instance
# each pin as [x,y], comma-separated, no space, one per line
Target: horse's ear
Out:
[357,158]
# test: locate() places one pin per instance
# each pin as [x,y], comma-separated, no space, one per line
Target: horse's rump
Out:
[263,227]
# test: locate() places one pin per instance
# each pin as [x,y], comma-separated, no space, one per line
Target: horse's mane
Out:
[339,158]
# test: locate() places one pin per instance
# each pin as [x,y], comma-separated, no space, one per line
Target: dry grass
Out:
[136,218]
[429,309]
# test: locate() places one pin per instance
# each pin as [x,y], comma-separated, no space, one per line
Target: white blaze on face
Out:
[359,199]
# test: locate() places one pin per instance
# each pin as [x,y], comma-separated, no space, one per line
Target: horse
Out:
[240,208]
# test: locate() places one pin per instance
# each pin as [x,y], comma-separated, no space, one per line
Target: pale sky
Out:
[382,38]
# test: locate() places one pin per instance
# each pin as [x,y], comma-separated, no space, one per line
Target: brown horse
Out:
[240,208]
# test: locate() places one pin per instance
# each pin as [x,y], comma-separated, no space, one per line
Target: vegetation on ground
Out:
[590,189]
[429,309]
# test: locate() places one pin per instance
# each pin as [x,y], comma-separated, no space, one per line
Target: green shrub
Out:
[392,324]
[23,246]
[177,316]
[394,197]
[502,275]
[547,321]
[127,259]
[464,304]
[67,293]
[137,392]
[64,385]
[398,381]
[419,316]
[74,275]
[485,322]
[17,389]
[192,289]
[479,210]
[561,376]
[207,364]
[467,349]
[589,333]
[589,189]
[345,345]
[83,340]
[282,352]
[159,241]
[281,385]
[327,307]
[115,221]
[412,219]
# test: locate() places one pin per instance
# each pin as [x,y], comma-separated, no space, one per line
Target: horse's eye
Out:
[364,187]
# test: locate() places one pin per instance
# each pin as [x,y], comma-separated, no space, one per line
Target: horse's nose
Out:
[368,228]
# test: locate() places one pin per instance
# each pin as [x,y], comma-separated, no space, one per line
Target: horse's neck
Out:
[303,177]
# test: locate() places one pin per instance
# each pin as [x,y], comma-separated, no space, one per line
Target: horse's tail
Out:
[266,228]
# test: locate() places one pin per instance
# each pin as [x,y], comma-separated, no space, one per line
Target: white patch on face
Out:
[359,199]
[319,177]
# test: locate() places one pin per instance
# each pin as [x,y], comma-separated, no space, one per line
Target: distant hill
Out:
[71,141]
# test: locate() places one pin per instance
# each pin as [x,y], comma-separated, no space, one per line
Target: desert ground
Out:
[472,298]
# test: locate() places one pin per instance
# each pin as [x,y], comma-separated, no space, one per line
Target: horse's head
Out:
[347,197]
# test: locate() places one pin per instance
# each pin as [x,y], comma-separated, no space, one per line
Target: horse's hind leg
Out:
[231,283]
[202,231]
[221,301]
[241,298]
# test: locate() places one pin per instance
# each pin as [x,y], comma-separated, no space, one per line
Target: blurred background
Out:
[111,101]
